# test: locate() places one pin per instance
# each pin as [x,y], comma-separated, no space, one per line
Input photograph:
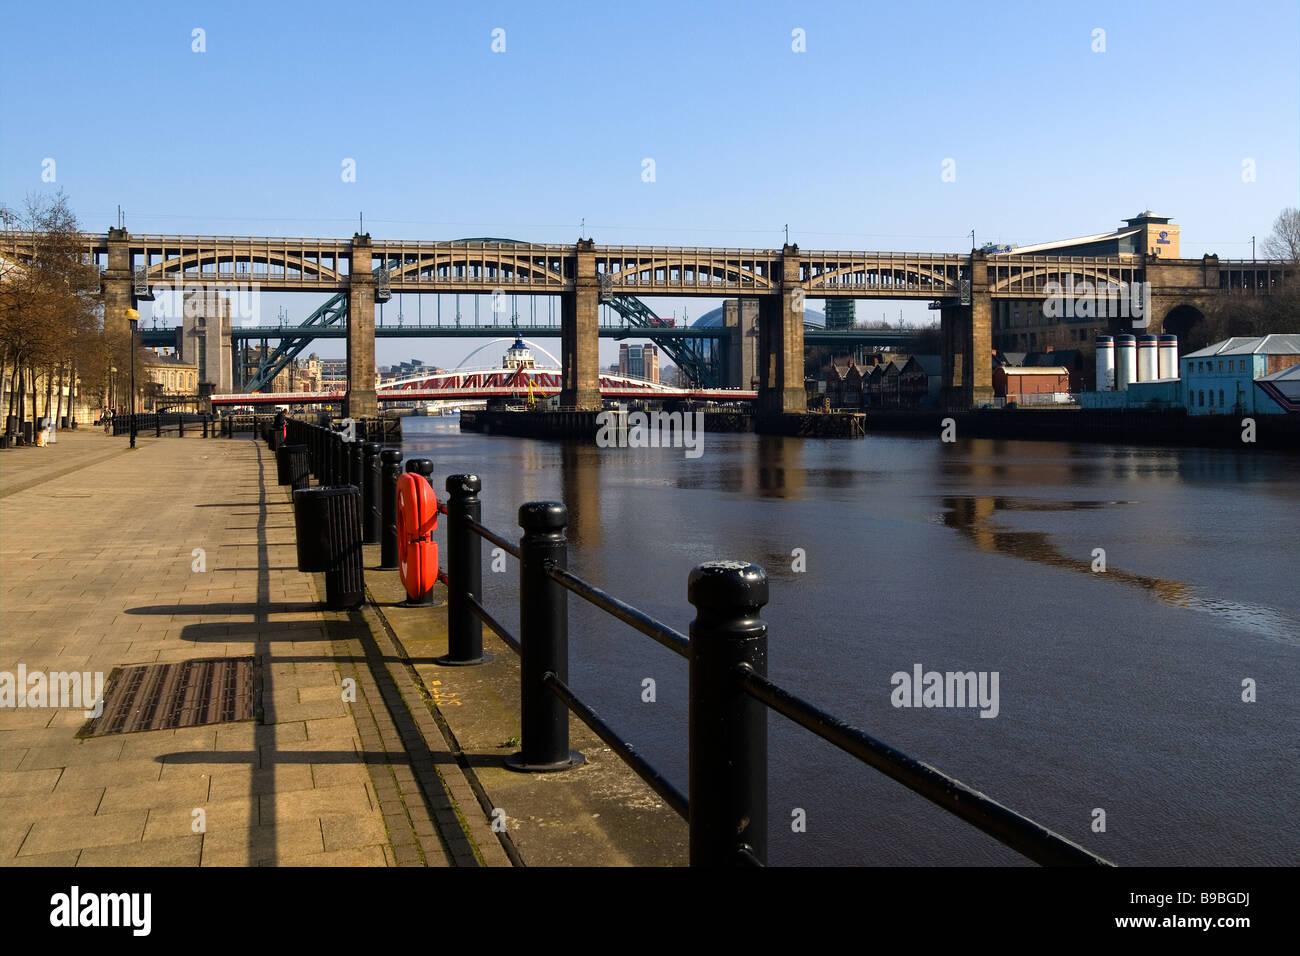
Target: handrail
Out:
[657,782]
[492,536]
[495,626]
[675,641]
[1002,823]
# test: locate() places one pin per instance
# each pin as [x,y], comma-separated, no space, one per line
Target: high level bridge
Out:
[963,288]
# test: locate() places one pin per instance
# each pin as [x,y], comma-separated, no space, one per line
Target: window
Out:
[1201,394]
[1211,398]
[1241,366]
[1220,398]
[1220,365]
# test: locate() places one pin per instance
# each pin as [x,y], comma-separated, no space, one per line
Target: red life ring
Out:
[417,517]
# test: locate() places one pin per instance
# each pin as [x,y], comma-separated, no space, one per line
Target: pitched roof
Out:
[1037,370]
[1278,343]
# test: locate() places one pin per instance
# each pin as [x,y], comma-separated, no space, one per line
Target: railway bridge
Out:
[965,288]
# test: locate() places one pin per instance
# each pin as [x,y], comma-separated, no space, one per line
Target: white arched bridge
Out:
[468,385]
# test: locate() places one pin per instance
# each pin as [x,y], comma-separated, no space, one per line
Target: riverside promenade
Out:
[184,549]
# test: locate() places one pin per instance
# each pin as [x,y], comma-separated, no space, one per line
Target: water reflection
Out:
[972,515]
[580,479]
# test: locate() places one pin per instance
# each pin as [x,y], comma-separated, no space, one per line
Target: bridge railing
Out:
[730,693]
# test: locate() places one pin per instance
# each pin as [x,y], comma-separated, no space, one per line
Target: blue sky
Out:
[845,142]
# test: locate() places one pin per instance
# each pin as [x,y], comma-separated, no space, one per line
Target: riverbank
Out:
[1117,426]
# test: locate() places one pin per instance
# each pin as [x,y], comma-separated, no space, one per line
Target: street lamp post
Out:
[132,317]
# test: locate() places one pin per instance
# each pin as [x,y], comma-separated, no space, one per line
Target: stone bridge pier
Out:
[363,398]
[966,336]
[580,334]
[780,342]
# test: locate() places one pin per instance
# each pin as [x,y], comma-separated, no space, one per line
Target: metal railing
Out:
[167,424]
[730,693]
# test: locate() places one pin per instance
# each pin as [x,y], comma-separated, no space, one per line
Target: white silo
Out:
[1148,360]
[1125,362]
[1105,363]
[1168,356]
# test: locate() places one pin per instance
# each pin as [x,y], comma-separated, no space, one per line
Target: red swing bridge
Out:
[464,386]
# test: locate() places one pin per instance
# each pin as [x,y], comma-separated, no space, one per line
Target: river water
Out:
[1119,691]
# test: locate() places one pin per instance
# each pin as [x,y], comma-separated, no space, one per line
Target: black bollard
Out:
[180,424]
[205,426]
[157,424]
[422,467]
[728,727]
[392,464]
[544,639]
[372,516]
[342,461]
[464,573]
[357,469]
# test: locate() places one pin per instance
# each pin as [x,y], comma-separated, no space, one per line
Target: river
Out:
[1119,692]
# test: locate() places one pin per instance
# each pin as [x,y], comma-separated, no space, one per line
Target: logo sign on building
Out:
[348,429]
[1163,237]
[964,286]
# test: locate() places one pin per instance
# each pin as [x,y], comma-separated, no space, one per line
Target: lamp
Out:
[132,317]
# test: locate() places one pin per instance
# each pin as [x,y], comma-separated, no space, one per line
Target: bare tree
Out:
[48,299]
[1284,242]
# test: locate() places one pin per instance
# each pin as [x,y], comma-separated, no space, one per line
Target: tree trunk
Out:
[5,391]
[58,405]
[22,397]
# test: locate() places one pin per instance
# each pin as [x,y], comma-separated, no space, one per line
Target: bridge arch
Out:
[1181,319]
[529,342]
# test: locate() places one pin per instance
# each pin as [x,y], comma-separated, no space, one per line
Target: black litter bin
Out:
[328,525]
[299,466]
[283,469]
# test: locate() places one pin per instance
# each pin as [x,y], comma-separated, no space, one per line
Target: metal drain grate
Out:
[185,694]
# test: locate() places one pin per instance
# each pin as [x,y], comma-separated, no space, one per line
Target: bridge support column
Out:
[780,343]
[362,401]
[966,333]
[580,334]
[117,283]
